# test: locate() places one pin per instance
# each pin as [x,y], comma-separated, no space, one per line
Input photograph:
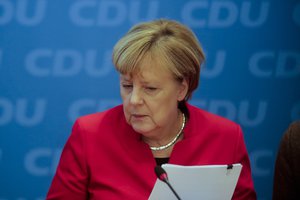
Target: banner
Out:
[55,65]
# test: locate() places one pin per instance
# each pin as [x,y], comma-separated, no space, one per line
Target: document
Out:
[209,182]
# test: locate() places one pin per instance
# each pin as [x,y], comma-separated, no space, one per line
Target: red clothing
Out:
[104,158]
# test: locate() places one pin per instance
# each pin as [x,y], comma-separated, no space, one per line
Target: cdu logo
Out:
[25,113]
[257,158]
[217,68]
[282,64]
[83,106]
[111,13]
[223,14]
[25,12]
[246,113]
[34,161]
[67,63]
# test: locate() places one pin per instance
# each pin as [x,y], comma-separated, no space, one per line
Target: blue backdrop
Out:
[55,65]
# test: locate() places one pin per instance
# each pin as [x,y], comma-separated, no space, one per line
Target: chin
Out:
[141,130]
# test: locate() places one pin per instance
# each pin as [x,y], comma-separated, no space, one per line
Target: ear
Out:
[183,89]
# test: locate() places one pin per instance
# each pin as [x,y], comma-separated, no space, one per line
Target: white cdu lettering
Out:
[111,13]
[286,63]
[245,110]
[92,67]
[35,58]
[149,12]
[216,21]
[222,14]
[262,15]
[33,159]
[118,9]
[81,107]
[84,106]
[217,68]
[7,111]
[20,9]
[76,11]
[241,112]
[258,168]
[67,63]
[24,114]
[223,107]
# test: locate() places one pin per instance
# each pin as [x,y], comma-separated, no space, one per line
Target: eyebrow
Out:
[144,82]
[126,78]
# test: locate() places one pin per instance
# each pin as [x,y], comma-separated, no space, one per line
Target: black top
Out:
[160,161]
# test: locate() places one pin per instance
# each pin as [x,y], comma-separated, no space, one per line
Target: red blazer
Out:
[104,158]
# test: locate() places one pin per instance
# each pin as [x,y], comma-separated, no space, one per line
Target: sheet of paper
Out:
[209,182]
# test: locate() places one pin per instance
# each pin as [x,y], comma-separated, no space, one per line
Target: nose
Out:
[136,96]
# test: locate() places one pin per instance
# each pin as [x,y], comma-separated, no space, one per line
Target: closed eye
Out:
[151,88]
[127,86]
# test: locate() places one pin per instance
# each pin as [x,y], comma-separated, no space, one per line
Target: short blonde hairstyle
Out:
[167,42]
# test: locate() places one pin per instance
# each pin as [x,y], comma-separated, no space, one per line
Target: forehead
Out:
[149,70]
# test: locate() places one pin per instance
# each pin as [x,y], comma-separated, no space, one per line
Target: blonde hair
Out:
[169,43]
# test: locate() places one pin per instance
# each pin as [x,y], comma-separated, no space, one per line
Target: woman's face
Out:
[150,100]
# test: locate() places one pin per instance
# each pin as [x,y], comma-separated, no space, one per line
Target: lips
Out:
[138,116]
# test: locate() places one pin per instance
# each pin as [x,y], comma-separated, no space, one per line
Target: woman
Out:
[112,155]
[286,185]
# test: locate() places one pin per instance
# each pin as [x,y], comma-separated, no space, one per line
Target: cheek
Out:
[125,102]
[124,96]
[126,113]
[125,105]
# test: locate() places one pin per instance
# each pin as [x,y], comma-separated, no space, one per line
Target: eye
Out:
[150,89]
[127,86]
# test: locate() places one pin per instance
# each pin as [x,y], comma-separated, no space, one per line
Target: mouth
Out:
[138,116]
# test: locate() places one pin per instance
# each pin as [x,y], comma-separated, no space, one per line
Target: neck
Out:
[156,145]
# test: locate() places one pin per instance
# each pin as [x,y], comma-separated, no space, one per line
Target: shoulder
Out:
[294,130]
[291,137]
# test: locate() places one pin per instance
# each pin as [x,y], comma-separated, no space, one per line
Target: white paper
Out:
[209,182]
